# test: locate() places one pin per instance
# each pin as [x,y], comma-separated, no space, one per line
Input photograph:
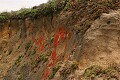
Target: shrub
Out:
[27,46]
[74,65]
[5,15]
[18,60]
[109,70]
[92,71]
[45,59]
[34,51]
[54,70]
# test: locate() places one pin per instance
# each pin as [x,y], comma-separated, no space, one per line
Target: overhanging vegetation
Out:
[53,6]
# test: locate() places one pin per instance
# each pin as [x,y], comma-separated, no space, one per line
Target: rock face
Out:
[101,44]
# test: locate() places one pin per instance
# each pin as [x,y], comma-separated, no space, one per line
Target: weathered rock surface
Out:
[101,44]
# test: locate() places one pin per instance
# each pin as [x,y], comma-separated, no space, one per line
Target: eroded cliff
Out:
[62,45]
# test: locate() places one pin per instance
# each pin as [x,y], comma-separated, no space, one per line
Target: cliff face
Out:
[33,38]
[101,42]
[62,45]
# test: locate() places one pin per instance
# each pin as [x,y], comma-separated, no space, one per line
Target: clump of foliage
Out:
[18,60]
[27,46]
[19,46]
[54,70]
[34,51]
[92,71]
[109,70]
[95,70]
[45,59]
[41,58]
[69,69]
[74,65]
[5,15]
[65,71]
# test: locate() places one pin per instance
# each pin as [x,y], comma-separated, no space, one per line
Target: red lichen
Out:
[67,56]
[53,55]
[37,57]
[46,73]
[50,64]
[33,39]
[59,35]
[39,41]
[56,37]
[62,33]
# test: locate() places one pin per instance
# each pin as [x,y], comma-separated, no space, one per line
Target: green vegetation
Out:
[95,70]
[29,53]
[40,58]
[54,70]
[49,8]
[74,65]
[92,71]
[52,39]
[45,59]
[109,69]
[69,69]
[27,46]
[5,15]
[34,51]
[37,61]
[49,53]
[19,46]
[18,60]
